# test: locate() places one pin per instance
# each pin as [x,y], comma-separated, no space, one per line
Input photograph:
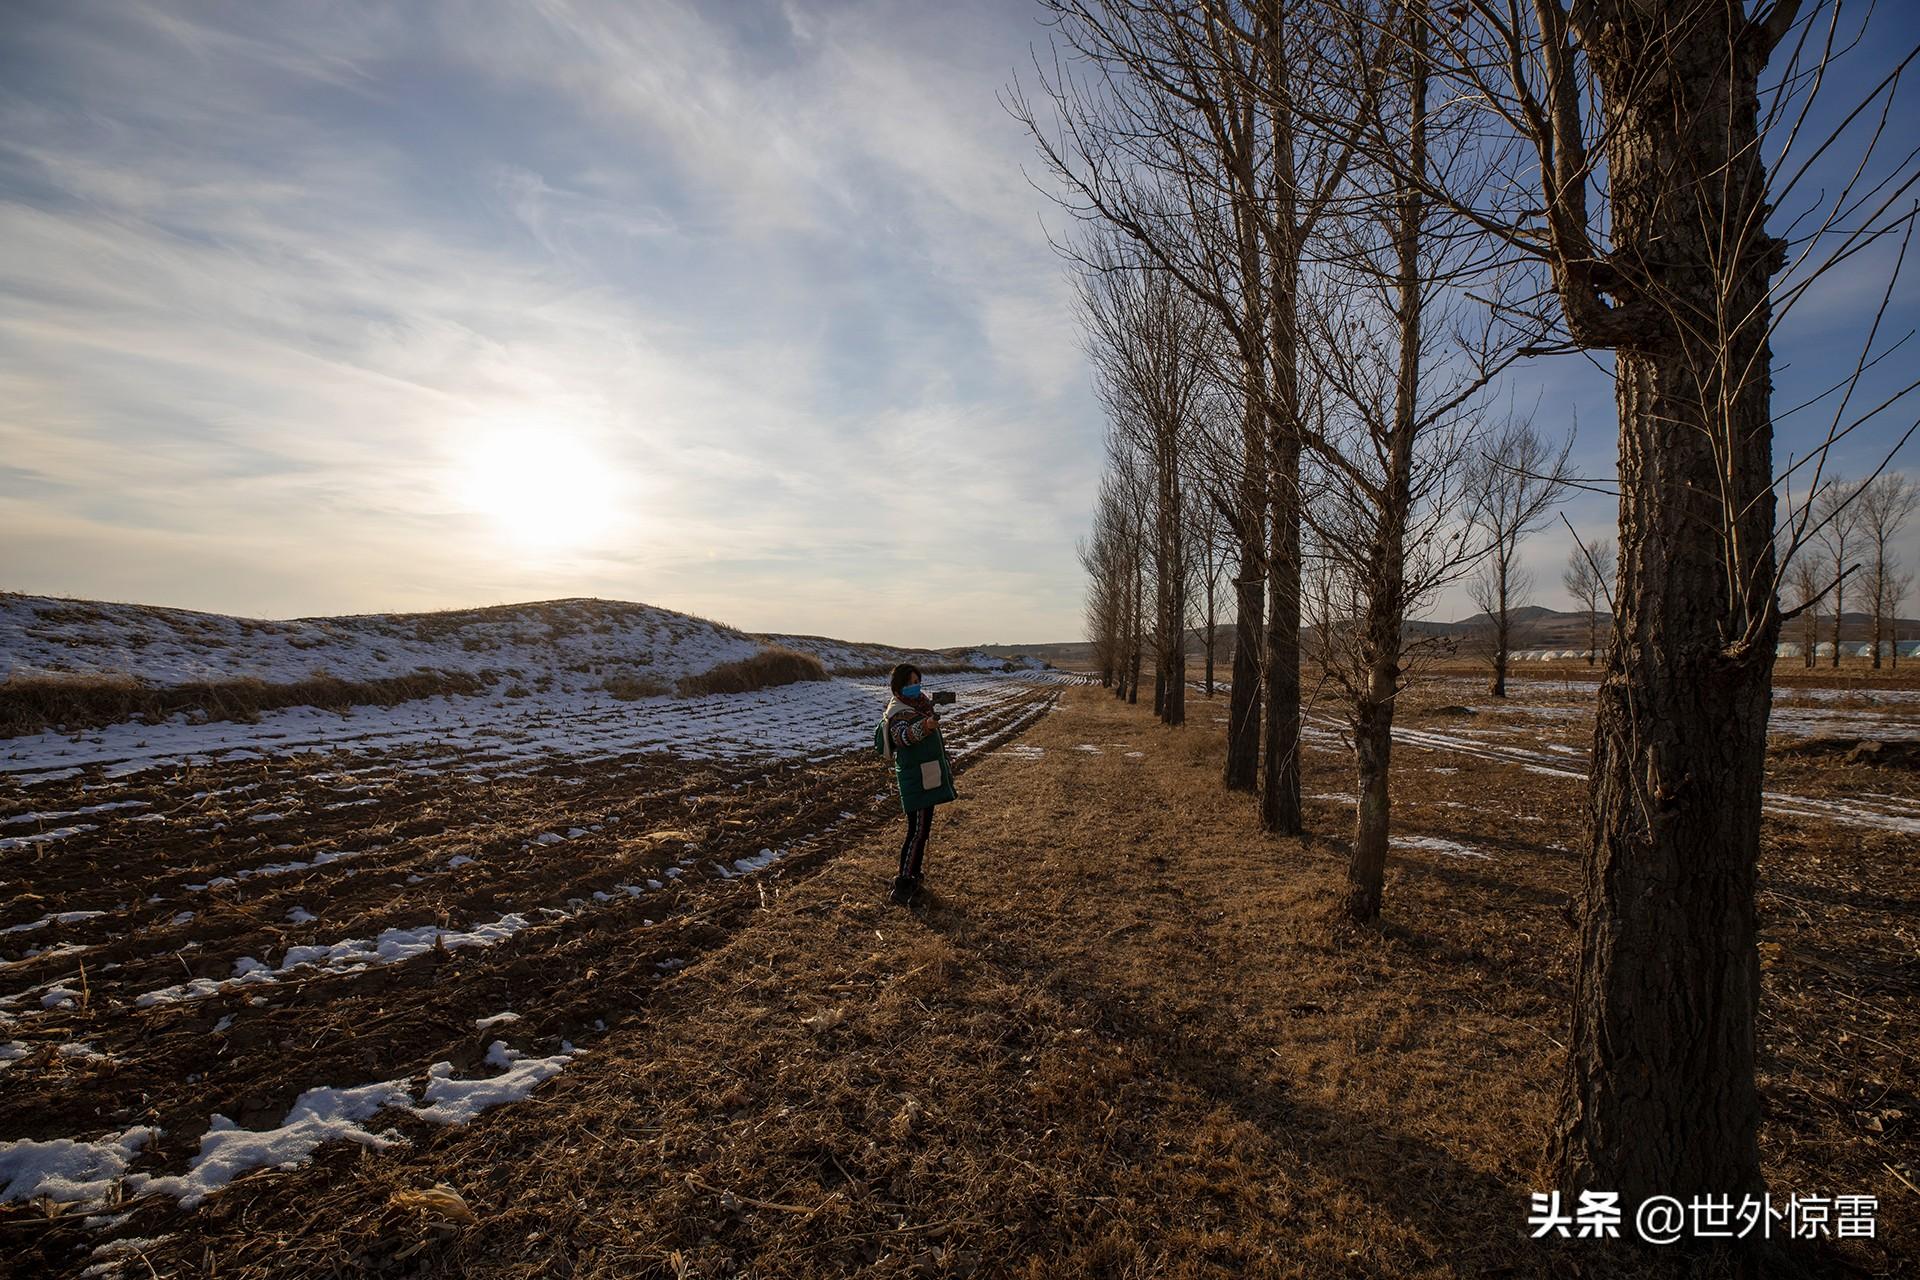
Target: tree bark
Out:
[1243,699]
[1213,622]
[1172,705]
[1877,601]
[1374,707]
[1139,626]
[1280,775]
[1839,596]
[1280,805]
[1502,626]
[1383,620]
[1659,1094]
[1242,771]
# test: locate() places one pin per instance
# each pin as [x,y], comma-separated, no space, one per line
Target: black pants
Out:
[914,849]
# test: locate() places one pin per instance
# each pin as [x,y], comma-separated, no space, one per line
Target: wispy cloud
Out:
[271,282]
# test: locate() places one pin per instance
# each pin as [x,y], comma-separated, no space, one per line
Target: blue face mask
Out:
[910,691]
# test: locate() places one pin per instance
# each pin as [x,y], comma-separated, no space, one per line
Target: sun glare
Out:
[541,489]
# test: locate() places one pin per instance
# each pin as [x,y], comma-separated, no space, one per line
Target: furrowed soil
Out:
[1126,1034]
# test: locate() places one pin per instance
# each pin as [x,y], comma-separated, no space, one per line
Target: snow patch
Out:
[66,1171]
[1435,844]
[59,917]
[318,1115]
[42,837]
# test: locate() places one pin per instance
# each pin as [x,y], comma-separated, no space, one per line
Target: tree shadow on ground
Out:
[1476,1221]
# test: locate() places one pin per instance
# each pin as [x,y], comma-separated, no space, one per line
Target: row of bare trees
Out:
[1853,557]
[1313,234]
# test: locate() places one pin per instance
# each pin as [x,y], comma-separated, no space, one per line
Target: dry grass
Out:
[770,667]
[33,704]
[627,687]
[1127,1037]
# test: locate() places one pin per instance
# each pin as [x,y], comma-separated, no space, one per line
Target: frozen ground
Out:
[227,945]
[1545,727]
[230,945]
[495,734]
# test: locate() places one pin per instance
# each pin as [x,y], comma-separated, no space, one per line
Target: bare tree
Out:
[1898,585]
[1510,490]
[1887,502]
[1210,537]
[1588,578]
[1625,148]
[1106,555]
[1499,595]
[1398,358]
[1836,515]
[1132,503]
[1803,580]
[1178,123]
[1145,336]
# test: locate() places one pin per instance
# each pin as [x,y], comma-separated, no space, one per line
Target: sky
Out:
[745,309]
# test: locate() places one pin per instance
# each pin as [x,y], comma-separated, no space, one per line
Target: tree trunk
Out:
[1839,596]
[1502,625]
[1877,601]
[1384,616]
[1213,622]
[1280,809]
[1173,626]
[1139,628]
[1593,636]
[1243,699]
[1280,775]
[1373,758]
[1177,655]
[1659,1094]
[1242,771]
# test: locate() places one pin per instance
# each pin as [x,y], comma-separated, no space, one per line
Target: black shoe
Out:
[904,890]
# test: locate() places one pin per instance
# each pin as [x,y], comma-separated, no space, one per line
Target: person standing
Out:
[909,735]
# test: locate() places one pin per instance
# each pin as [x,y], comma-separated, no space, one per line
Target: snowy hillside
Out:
[573,644]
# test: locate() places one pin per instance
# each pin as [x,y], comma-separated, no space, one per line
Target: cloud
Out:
[268,280]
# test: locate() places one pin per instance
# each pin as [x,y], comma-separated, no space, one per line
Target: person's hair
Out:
[903,675]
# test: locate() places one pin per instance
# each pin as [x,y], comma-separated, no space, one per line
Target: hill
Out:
[571,639]
[86,662]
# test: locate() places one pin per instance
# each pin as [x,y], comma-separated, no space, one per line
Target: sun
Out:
[541,489]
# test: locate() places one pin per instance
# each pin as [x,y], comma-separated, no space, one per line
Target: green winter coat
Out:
[922,771]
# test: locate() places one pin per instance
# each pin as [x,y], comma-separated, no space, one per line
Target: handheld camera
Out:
[944,697]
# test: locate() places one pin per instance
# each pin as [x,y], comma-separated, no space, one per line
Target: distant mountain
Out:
[1535,628]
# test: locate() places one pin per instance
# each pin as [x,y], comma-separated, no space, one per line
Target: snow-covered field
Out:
[1544,727]
[494,734]
[434,901]
[317,876]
